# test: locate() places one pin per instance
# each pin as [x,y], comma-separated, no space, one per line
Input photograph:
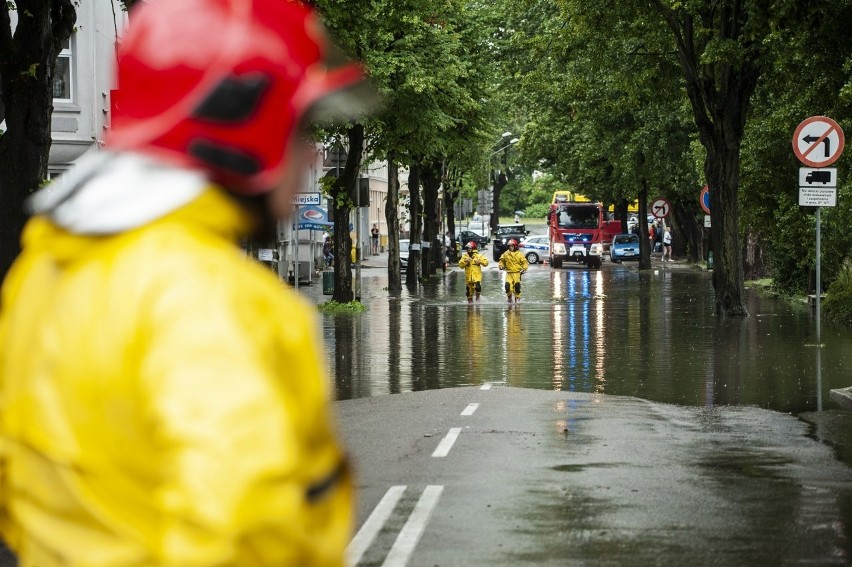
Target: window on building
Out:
[63,75]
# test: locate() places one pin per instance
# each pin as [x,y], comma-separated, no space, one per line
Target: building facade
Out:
[83,82]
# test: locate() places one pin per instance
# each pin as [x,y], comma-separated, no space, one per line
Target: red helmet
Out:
[513,242]
[471,245]
[222,85]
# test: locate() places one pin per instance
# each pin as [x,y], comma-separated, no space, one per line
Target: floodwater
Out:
[617,331]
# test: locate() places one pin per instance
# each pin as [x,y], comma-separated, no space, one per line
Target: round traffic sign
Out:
[704,199]
[660,208]
[818,141]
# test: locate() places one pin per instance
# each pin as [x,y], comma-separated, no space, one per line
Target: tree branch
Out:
[63,16]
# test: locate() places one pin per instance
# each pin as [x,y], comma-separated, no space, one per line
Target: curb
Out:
[843,396]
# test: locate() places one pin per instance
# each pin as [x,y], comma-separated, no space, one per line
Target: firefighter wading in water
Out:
[472,263]
[515,264]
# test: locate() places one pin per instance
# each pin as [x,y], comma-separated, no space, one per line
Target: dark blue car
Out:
[624,247]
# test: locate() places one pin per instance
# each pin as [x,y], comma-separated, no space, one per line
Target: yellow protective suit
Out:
[472,264]
[163,402]
[514,262]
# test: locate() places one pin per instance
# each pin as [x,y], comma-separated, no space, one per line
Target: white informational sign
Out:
[306,199]
[265,255]
[817,197]
[415,247]
[706,221]
[811,177]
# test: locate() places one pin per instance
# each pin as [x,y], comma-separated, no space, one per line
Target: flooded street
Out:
[571,475]
[616,331]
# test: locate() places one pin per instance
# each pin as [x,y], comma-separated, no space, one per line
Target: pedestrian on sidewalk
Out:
[515,265]
[472,263]
[667,245]
[162,398]
[374,240]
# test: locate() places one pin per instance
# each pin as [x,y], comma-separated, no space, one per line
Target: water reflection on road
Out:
[615,331]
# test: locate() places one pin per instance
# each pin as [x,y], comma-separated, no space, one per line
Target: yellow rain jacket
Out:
[513,261]
[472,265]
[163,402]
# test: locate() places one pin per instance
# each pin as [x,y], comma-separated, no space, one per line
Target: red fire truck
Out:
[579,231]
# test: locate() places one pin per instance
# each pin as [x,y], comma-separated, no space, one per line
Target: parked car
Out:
[466,236]
[403,253]
[535,248]
[505,233]
[624,247]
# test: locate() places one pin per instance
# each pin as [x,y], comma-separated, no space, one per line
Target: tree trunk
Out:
[26,68]
[689,236]
[431,218]
[451,192]
[341,192]
[392,218]
[644,243]
[722,168]
[719,94]
[500,182]
[621,213]
[754,264]
[412,273]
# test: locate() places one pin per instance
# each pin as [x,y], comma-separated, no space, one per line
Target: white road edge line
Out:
[446,443]
[413,529]
[374,524]
[486,386]
[470,409]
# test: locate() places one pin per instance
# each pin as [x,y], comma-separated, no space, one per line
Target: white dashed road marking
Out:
[446,443]
[408,538]
[371,528]
[470,409]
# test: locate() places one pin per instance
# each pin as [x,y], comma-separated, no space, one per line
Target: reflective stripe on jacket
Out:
[163,402]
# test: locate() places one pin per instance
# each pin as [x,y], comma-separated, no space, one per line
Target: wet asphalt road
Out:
[563,478]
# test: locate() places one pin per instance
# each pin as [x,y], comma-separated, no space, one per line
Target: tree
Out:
[27,65]
[419,58]
[721,49]
[605,103]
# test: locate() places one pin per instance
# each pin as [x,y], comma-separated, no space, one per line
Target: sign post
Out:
[297,200]
[818,141]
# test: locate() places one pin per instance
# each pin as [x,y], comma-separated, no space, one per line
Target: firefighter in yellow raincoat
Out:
[515,265]
[472,262]
[163,400]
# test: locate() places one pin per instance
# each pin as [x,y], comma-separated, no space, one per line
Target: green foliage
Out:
[335,308]
[537,211]
[838,301]
[528,193]
[604,98]
[31,71]
[800,82]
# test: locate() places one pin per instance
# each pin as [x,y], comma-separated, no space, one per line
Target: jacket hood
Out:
[107,193]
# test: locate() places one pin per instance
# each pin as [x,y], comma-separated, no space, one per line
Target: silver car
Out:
[535,248]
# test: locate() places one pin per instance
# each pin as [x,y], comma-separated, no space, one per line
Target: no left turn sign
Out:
[818,141]
[660,208]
